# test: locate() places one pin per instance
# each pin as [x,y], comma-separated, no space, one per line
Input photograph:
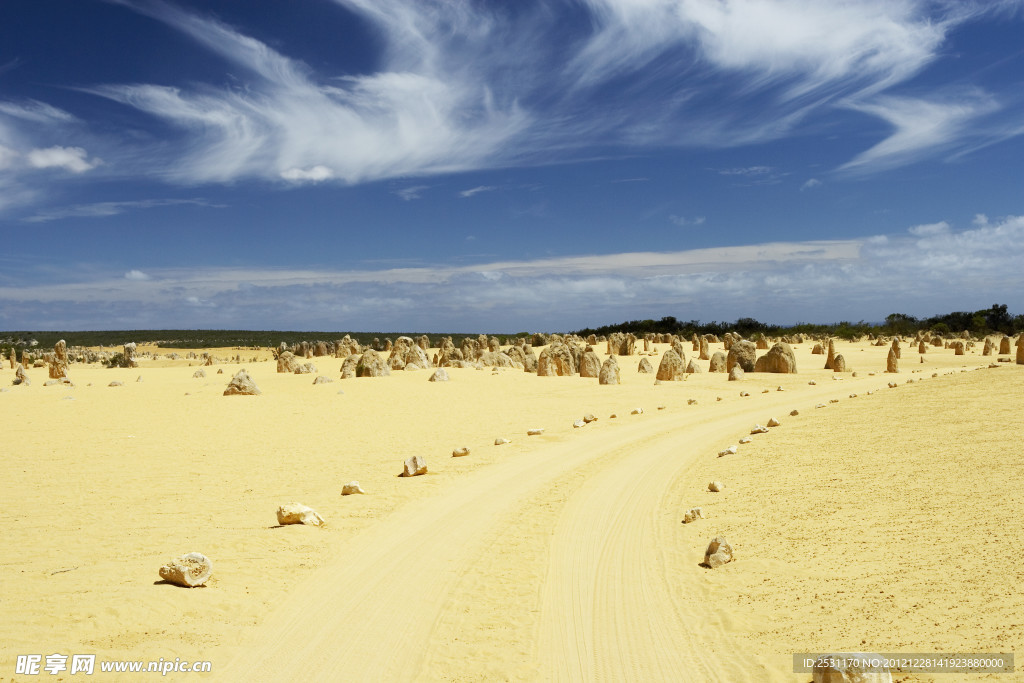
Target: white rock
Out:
[415,466]
[731,450]
[589,417]
[772,422]
[759,429]
[499,441]
[534,432]
[578,423]
[439,375]
[716,487]
[692,515]
[637,411]
[297,513]
[189,570]
[719,552]
[745,439]
[351,487]
[812,382]
[460,452]
[820,405]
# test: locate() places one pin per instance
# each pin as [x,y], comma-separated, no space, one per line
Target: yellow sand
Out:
[887,522]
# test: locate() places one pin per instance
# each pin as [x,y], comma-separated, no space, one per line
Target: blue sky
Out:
[454,165]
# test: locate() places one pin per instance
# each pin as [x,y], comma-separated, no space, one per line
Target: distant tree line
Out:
[979,323]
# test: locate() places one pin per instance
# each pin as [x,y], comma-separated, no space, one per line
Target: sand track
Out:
[606,613]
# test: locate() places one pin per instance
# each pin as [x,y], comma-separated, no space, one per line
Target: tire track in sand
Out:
[607,611]
[368,615]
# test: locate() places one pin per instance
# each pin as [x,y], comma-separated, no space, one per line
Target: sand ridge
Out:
[130,478]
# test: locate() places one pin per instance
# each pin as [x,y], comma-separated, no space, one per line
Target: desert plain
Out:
[877,519]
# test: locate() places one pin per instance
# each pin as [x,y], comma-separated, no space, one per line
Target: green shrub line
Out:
[979,323]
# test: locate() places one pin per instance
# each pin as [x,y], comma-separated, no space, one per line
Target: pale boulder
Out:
[297,513]
[371,364]
[556,361]
[351,488]
[59,363]
[242,385]
[287,362]
[189,570]
[621,344]
[645,366]
[415,466]
[609,373]
[719,362]
[671,367]
[892,363]
[692,515]
[590,364]
[439,375]
[839,363]
[780,358]
[349,365]
[719,552]
[741,354]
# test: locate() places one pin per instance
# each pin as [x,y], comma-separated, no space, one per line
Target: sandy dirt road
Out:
[605,609]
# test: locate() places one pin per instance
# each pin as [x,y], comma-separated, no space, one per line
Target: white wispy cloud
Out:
[477,190]
[923,270]
[103,209]
[930,229]
[74,159]
[316,174]
[464,86]
[36,138]
[810,183]
[749,171]
[683,221]
[920,126]
[7,157]
[136,276]
[408,194]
